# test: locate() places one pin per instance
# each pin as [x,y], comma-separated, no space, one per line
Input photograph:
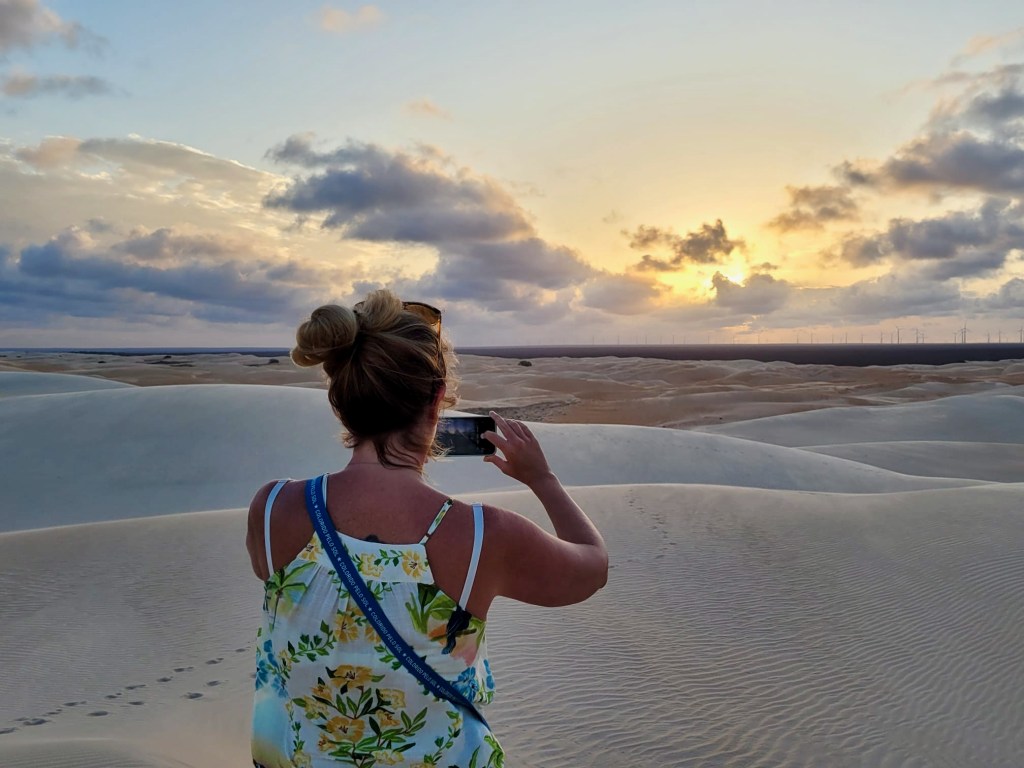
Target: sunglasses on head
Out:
[430,315]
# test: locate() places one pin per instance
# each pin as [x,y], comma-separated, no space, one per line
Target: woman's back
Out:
[328,690]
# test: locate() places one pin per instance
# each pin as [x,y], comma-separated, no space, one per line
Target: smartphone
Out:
[461,435]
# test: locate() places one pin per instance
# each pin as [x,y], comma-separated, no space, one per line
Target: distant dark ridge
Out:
[801,354]
[147,351]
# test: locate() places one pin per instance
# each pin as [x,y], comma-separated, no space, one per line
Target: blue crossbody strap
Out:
[316,505]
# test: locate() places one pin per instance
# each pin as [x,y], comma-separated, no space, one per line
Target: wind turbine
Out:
[897,334]
[963,334]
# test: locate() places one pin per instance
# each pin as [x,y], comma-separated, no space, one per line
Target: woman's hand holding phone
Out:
[522,458]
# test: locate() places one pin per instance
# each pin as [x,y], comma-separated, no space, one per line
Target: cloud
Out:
[26,86]
[52,152]
[25,23]
[973,141]
[982,44]
[426,108]
[813,207]
[627,294]
[706,245]
[947,162]
[487,248]
[956,244]
[156,274]
[340,21]
[890,296]
[384,196]
[1009,297]
[760,295]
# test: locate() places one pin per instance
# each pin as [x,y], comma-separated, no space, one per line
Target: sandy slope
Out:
[740,627]
[998,462]
[991,417]
[155,450]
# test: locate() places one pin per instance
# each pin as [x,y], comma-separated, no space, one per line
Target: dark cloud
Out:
[973,141]
[397,197]
[24,86]
[760,295]
[813,207]
[164,245]
[71,276]
[706,245]
[623,294]
[488,249]
[957,244]
[891,296]
[1010,296]
[946,162]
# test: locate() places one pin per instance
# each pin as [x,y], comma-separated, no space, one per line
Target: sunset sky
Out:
[205,173]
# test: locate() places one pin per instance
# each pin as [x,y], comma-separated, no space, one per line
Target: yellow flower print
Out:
[388,757]
[310,551]
[346,728]
[302,759]
[321,690]
[346,629]
[387,719]
[371,635]
[326,744]
[368,568]
[413,564]
[394,698]
[346,674]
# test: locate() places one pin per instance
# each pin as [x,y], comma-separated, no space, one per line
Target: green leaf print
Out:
[286,585]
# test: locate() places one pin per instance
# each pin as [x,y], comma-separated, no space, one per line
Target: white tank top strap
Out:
[474,560]
[266,523]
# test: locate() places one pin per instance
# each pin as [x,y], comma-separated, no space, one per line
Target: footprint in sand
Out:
[99,713]
[134,687]
[73,703]
[136,703]
[212,683]
[215,661]
[241,650]
[183,669]
[111,695]
[7,730]
[164,679]
[193,695]
[36,721]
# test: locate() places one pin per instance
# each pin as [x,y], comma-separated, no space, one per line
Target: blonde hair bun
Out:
[329,331]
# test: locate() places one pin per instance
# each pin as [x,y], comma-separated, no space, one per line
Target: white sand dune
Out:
[140,451]
[814,589]
[995,462]
[984,418]
[740,627]
[20,383]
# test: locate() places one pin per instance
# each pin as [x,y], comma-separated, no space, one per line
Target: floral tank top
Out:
[330,693]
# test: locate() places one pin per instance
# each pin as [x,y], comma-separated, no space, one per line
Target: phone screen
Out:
[461,435]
